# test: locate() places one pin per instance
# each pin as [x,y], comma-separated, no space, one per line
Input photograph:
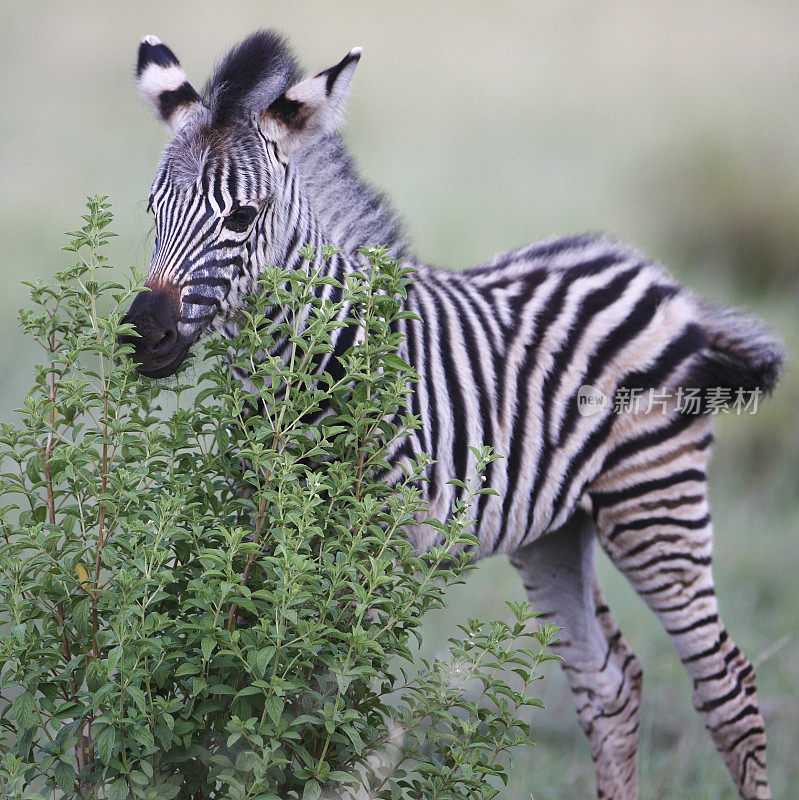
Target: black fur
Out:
[333,72]
[250,77]
[266,60]
[154,54]
[254,75]
[290,112]
[172,99]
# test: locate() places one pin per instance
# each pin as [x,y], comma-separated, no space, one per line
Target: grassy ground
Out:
[670,125]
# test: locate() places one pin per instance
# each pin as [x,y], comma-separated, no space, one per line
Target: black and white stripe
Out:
[502,351]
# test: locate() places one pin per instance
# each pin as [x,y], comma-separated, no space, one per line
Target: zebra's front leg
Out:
[603,673]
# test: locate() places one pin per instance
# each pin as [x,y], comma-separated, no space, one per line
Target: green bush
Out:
[214,602]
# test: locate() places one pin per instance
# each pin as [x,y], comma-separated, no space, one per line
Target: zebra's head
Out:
[222,194]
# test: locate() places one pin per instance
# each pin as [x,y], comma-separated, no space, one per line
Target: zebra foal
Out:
[529,353]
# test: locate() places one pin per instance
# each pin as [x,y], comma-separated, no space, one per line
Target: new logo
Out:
[590,400]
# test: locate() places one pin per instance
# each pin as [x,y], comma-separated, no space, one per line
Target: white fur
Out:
[155,80]
[324,110]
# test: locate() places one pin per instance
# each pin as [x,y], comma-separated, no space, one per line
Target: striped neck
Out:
[291,225]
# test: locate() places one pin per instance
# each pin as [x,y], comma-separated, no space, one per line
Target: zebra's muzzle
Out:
[159,349]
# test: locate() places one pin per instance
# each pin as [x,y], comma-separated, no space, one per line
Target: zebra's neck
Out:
[352,212]
[292,226]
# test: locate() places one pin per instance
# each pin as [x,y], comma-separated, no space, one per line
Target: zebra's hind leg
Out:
[603,674]
[653,521]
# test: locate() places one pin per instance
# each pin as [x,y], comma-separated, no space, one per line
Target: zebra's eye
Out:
[240,219]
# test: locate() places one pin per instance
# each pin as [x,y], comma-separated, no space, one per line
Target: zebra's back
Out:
[503,350]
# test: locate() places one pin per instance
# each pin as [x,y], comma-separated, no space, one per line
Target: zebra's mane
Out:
[352,212]
[247,79]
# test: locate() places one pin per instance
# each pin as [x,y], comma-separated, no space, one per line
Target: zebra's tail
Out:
[742,352]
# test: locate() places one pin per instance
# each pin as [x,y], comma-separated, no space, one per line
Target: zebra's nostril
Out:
[165,343]
[158,348]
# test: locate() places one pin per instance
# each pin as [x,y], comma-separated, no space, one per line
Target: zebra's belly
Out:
[529,501]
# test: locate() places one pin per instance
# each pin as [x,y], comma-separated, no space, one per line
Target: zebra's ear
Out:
[164,85]
[309,108]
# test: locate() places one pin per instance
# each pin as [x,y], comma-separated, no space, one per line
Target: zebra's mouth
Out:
[159,348]
[165,370]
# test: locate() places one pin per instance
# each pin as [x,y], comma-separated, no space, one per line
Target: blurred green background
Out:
[672,125]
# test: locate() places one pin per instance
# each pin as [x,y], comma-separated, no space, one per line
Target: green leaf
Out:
[113,657]
[65,777]
[393,361]
[343,681]
[80,615]
[138,777]
[312,790]
[274,707]
[207,646]
[187,668]
[22,708]
[263,659]
[34,477]
[118,790]
[96,676]
[106,744]
[138,696]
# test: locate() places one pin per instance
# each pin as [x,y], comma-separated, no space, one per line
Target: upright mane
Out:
[253,74]
[249,77]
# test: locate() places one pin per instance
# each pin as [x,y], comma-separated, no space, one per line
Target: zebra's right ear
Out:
[164,85]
